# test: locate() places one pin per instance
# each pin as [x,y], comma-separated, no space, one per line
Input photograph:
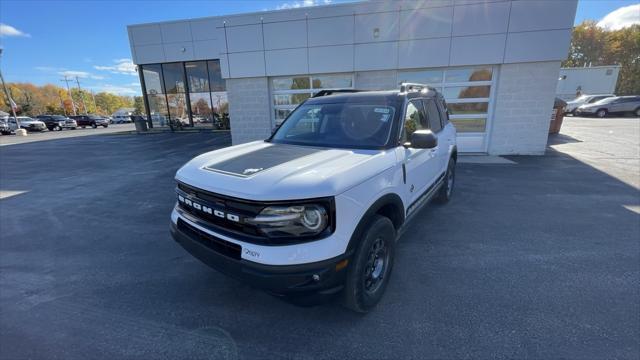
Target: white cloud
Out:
[81,74]
[8,30]
[117,89]
[121,66]
[302,3]
[621,18]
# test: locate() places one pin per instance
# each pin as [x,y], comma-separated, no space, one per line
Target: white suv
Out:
[315,209]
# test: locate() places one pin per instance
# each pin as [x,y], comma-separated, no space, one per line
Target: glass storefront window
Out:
[423,77]
[468,108]
[201,110]
[215,76]
[197,76]
[294,83]
[220,110]
[466,92]
[178,108]
[171,95]
[289,92]
[152,75]
[332,82]
[173,78]
[465,125]
[158,109]
[290,99]
[466,75]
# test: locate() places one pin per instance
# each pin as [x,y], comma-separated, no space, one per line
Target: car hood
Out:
[265,171]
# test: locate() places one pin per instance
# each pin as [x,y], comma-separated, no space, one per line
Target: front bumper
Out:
[318,278]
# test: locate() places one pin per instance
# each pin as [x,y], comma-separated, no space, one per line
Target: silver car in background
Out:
[620,105]
[583,100]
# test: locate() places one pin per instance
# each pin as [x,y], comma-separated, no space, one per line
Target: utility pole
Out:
[95,107]
[6,93]
[73,104]
[81,96]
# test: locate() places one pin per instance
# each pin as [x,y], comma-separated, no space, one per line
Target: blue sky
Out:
[89,38]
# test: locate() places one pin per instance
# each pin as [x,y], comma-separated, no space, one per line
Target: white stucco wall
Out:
[249,109]
[523,105]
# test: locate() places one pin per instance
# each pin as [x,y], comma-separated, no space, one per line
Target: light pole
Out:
[6,93]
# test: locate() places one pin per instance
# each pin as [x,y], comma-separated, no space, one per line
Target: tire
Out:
[105,126]
[58,128]
[446,190]
[371,265]
[602,113]
[84,127]
[73,128]
[94,125]
[637,112]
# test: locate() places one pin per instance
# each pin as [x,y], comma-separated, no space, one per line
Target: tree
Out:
[35,100]
[592,45]
[138,105]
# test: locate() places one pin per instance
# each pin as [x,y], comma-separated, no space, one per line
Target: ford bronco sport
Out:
[316,209]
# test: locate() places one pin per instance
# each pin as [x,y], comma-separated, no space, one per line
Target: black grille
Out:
[244,209]
[216,244]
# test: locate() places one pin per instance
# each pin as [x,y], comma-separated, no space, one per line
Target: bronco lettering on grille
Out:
[194,205]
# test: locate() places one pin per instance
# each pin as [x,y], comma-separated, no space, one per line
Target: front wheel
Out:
[368,274]
[105,126]
[446,190]
[637,112]
[94,125]
[601,113]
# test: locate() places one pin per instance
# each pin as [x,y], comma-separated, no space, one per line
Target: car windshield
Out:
[352,125]
[94,117]
[59,117]
[581,98]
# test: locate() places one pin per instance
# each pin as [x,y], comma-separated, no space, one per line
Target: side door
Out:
[616,106]
[420,165]
[437,127]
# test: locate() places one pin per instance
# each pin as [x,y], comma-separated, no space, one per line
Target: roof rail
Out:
[406,87]
[327,92]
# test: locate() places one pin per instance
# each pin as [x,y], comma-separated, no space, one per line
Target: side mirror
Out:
[423,139]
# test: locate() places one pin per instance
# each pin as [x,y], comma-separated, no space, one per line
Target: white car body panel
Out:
[355,178]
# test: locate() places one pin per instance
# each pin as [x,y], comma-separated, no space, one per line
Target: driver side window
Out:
[413,120]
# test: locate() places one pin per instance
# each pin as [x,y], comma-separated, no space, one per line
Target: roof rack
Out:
[407,87]
[327,92]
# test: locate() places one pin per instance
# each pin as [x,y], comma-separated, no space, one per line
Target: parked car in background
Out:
[121,119]
[90,120]
[584,99]
[57,122]
[27,123]
[4,128]
[620,105]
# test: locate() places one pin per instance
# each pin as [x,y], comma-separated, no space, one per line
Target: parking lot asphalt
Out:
[64,134]
[539,259]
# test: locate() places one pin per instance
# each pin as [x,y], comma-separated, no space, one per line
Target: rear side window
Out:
[444,113]
[433,115]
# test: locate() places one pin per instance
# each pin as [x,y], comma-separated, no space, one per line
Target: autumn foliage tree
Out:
[595,46]
[35,100]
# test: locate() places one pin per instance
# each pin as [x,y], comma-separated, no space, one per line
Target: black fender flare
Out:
[389,199]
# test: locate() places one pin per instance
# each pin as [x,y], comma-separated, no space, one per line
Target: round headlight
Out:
[312,219]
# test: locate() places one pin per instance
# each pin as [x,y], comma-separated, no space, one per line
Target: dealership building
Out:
[497,63]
